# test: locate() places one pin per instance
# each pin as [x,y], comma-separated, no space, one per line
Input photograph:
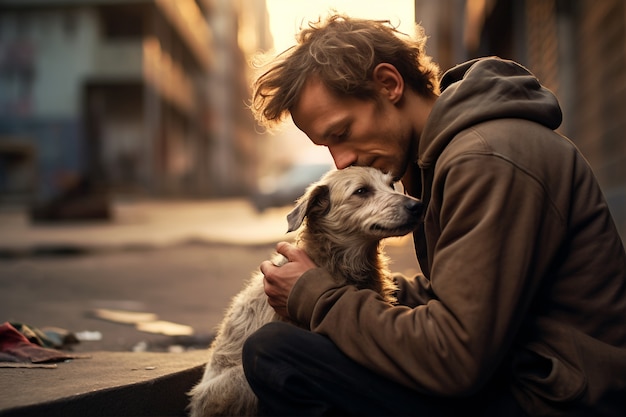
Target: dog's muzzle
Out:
[413,206]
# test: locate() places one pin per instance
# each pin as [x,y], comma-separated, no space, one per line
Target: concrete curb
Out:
[109,384]
[143,226]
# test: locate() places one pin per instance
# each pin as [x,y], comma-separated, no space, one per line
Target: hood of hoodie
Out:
[481,90]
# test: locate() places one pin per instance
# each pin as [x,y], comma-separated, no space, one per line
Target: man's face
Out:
[356,132]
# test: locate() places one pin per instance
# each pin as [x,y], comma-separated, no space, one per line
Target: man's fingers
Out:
[286,249]
[266,267]
[279,280]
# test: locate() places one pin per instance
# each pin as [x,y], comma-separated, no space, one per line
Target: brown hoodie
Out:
[524,273]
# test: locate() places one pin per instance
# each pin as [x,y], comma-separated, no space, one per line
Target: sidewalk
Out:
[144,223]
[108,384]
[127,383]
[124,383]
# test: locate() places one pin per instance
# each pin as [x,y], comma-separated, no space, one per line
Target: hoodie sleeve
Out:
[413,291]
[481,277]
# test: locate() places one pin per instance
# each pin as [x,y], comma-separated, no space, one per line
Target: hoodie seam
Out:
[489,152]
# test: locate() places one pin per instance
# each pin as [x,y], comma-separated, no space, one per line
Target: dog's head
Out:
[358,202]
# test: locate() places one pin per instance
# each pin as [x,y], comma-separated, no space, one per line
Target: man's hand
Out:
[279,280]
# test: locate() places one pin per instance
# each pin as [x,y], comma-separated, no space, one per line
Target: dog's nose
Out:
[414,206]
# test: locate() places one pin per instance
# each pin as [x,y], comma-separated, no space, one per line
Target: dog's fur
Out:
[347,214]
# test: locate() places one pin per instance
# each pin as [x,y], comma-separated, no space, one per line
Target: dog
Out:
[341,220]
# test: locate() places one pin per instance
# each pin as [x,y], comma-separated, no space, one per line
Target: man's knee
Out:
[262,345]
[263,340]
[268,359]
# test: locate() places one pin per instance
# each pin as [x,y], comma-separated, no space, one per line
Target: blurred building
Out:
[140,96]
[577,48]
[240,31]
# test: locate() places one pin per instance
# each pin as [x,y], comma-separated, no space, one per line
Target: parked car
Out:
[286,188]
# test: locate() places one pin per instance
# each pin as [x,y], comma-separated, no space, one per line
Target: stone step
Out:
[106,384]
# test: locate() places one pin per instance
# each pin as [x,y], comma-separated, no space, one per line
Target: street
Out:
[188,283]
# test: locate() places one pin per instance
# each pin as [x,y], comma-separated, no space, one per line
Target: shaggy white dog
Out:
[342,219]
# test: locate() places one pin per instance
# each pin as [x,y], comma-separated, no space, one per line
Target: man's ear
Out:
[389,81]
[316,202]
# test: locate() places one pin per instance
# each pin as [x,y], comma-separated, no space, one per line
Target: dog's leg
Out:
[223,389]
[227,394]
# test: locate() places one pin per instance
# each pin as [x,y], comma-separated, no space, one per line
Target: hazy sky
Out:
[286,16]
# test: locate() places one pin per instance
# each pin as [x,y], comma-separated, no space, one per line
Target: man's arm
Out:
[484,273]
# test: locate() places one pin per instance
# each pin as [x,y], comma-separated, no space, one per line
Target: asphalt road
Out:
[189,284]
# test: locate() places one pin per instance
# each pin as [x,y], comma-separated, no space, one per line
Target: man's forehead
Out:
[312,111]
[313,90]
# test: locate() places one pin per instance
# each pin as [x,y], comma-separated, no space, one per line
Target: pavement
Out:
[123,383]
[144,224]
[106,384]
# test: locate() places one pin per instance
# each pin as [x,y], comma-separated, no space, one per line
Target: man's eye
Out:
[342,136]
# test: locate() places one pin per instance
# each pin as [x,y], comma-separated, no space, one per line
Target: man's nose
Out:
[343,158]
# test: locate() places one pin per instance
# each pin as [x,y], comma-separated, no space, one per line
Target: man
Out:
[520,308]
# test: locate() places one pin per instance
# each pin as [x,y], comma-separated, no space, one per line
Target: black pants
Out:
[295,372]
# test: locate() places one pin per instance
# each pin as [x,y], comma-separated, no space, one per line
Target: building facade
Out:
[125,96]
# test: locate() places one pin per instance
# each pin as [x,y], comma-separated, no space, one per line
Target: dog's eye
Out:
[362,191]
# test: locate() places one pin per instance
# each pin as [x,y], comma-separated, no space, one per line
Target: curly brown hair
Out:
[343,52]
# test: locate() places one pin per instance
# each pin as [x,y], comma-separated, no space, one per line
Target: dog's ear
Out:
[316,202]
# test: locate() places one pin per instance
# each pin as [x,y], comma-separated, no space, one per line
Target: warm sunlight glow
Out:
[286,16]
